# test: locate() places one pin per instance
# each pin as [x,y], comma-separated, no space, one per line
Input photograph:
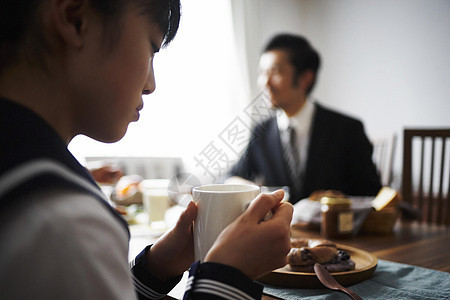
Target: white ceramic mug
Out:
[218,206]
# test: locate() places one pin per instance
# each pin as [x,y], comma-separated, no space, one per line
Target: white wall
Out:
[385,62]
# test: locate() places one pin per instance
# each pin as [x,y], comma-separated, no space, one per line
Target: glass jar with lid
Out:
[336,217]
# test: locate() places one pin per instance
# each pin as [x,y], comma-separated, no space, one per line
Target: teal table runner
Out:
[389,281]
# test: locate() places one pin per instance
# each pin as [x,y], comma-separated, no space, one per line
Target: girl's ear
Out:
[69,19]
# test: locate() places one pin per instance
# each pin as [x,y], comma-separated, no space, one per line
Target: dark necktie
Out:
[291,155]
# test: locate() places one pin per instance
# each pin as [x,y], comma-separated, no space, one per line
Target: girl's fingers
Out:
[263,204]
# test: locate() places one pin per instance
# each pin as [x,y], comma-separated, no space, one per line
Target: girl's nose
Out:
[150,84]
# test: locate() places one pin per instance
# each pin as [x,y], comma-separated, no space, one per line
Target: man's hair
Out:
[300,53]
[21,35]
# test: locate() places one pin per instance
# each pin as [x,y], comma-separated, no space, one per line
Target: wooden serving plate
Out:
[365,265]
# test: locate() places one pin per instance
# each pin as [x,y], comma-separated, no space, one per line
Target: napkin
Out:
[389,281]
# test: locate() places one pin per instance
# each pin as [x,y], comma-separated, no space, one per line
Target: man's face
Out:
[277,78]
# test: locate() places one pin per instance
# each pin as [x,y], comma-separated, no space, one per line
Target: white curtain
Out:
[248,36]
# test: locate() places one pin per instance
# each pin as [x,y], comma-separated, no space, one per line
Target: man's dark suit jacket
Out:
[339,157]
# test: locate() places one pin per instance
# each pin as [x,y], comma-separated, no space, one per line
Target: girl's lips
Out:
[138,109]
[136,116]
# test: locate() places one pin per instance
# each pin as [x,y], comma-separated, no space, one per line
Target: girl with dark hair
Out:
[70,67]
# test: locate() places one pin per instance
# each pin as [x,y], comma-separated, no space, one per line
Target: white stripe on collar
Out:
[15,177]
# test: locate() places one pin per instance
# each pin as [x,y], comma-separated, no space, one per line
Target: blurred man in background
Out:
[305,146]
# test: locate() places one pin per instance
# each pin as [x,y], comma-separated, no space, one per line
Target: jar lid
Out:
[335,200]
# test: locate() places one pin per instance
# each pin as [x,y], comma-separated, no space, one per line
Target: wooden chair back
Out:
[383,157]
[426,173]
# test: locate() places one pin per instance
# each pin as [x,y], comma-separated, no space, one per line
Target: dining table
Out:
[409,244]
